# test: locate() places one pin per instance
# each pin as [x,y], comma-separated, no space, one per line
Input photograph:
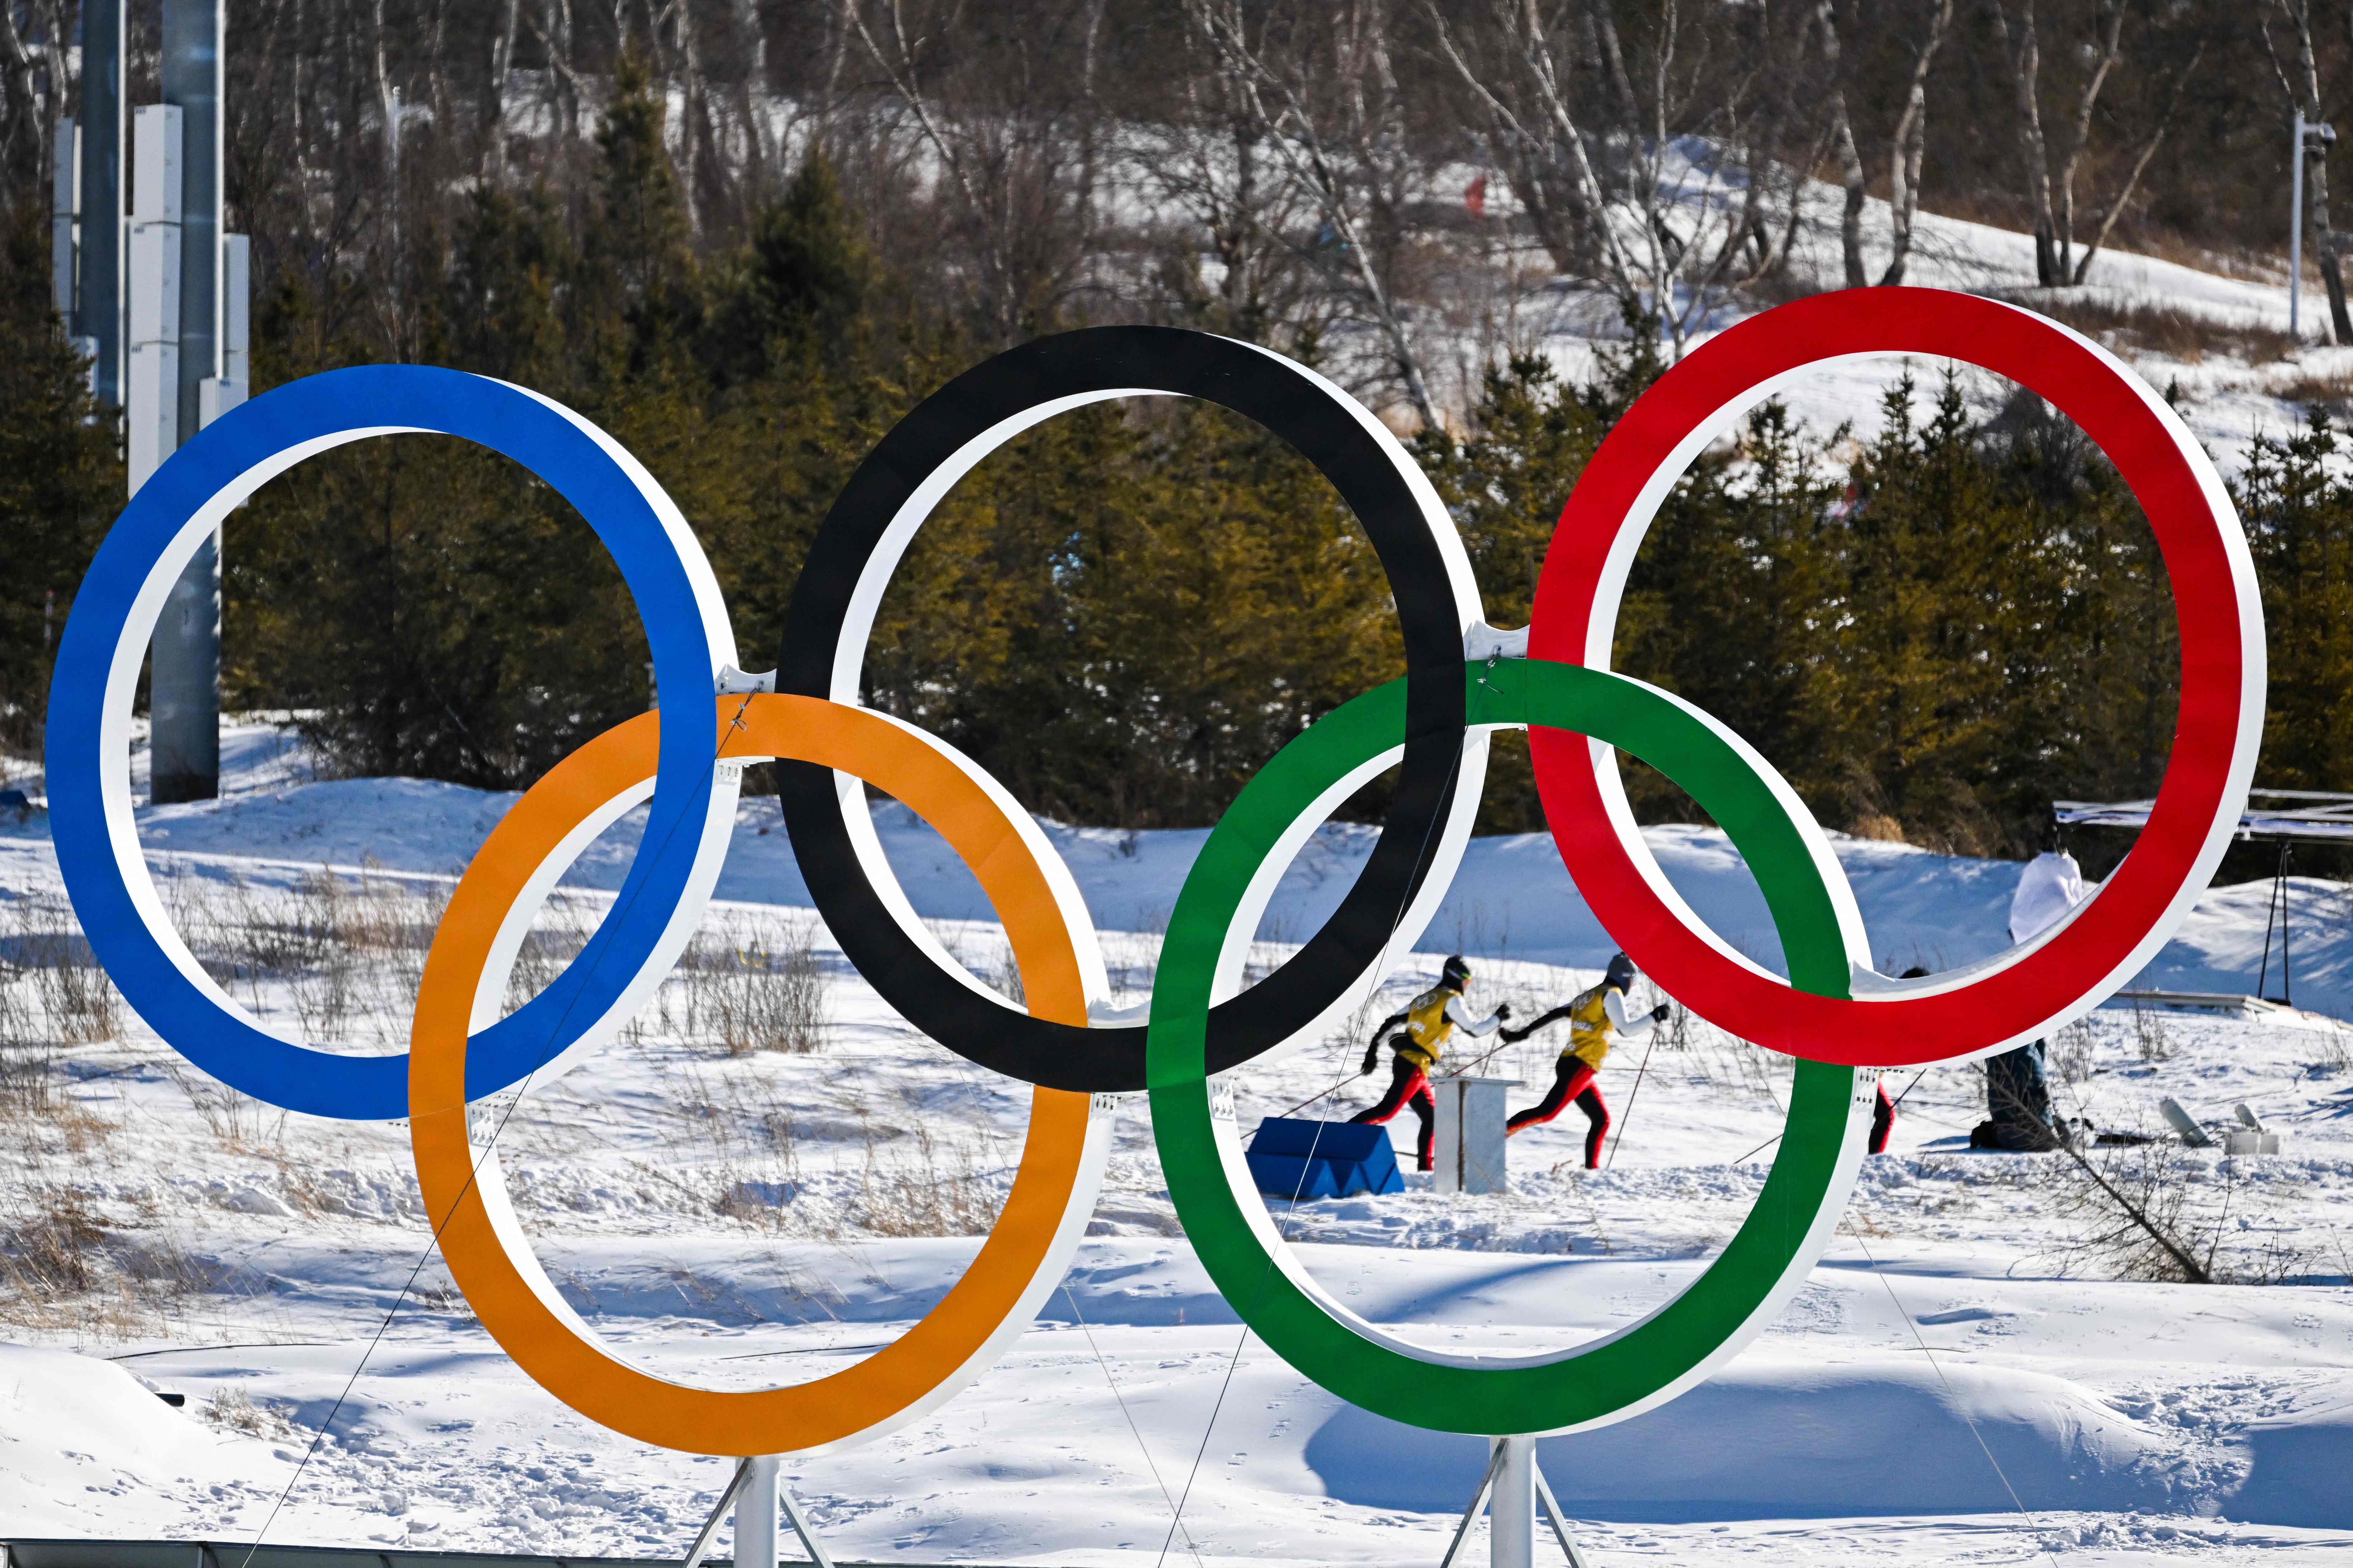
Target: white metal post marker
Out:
[1467,1155]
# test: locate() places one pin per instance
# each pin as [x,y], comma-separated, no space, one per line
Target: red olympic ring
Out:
[2026,991]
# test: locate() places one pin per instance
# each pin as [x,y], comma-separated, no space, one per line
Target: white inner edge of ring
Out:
[848,668]
[1868,983]
[122,690]
[1253,1204]
[498,1202]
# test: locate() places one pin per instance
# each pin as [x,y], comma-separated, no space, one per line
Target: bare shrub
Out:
[2072,1052]
[235,1119]
[753,997]
[47,954]
[2335,1053]
[1007,980]
[559,935]
[349,947]
[2157,1212]
[2149,1034]
[235,1410]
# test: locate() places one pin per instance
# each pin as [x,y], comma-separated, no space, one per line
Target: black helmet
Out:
[1454,972]
[1621,973]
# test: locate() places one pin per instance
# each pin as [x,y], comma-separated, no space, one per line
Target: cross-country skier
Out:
[1418,1039]
[1593,1017]
[2017,1086]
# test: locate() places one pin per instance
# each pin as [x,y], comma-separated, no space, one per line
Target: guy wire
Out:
[522,1087]
[1889,1285]
[1405,901]
[1088,1328]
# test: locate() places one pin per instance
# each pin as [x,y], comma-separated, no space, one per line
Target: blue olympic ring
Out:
[97,674]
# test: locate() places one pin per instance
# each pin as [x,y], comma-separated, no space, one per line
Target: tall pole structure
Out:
[2295,233]
[184,692]
[98,301]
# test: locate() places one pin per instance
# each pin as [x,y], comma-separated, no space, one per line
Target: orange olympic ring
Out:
[1025,1254]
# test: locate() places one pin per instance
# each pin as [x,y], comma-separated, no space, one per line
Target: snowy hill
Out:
[733,1219]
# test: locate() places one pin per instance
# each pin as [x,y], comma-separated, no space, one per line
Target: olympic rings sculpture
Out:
[1833,1013]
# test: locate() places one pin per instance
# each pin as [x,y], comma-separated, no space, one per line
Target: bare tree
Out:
[1011,151]
[1513,62]
[1661,188]
[2301,85]
[494,92]
[1213,164]
[1907,144]
[2051,201]
[1329,107]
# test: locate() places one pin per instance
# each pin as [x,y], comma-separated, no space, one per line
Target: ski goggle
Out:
[1837,1017]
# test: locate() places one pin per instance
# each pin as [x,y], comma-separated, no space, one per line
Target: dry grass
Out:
[66,1268]
[235,1410]
[54,986]
[2163,329]
[349,948]
[2332,394]
[936,1189]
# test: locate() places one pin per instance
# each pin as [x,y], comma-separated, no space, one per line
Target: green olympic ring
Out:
[1673,1348]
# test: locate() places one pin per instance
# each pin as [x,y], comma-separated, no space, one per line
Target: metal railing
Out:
[233,1554]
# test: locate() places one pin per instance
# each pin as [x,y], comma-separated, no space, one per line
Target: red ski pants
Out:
[1572,1080]
[1407,1086]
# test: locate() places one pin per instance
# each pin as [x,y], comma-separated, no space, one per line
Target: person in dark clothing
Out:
[2018,1103]
[1417,1036]
[1593,1017]
[2017,1086]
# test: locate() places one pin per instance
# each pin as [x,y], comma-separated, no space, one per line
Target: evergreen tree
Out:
[60,482]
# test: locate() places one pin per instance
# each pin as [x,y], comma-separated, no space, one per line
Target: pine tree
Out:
[60,481]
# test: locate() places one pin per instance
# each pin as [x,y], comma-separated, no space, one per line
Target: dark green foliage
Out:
[1128,609]
[1931,640]
[61,483]
[2298,508]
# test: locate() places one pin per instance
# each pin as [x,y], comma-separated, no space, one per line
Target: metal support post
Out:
[97,311]
[185,684]
[1512,1511]
[755,1514]
[2296,230]
[801,1526]
[1559,1521]
[1478,1499]
[65,207]
[1512,1474]
[192,84]
[702,1547]
[151,399]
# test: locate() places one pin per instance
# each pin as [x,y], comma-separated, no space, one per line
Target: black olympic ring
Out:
[868,530]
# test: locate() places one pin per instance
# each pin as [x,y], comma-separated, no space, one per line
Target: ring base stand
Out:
[1517,1487]
[758,1494]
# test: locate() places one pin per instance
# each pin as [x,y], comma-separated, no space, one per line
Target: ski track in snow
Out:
[1950,1317]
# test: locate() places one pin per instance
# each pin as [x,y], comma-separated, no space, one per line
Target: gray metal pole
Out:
[2296,230]
[98,313]
[184,692]
[757,1514]
[192,80]
[1512,1512]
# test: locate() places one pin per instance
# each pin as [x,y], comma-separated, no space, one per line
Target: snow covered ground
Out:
[1966,1378]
